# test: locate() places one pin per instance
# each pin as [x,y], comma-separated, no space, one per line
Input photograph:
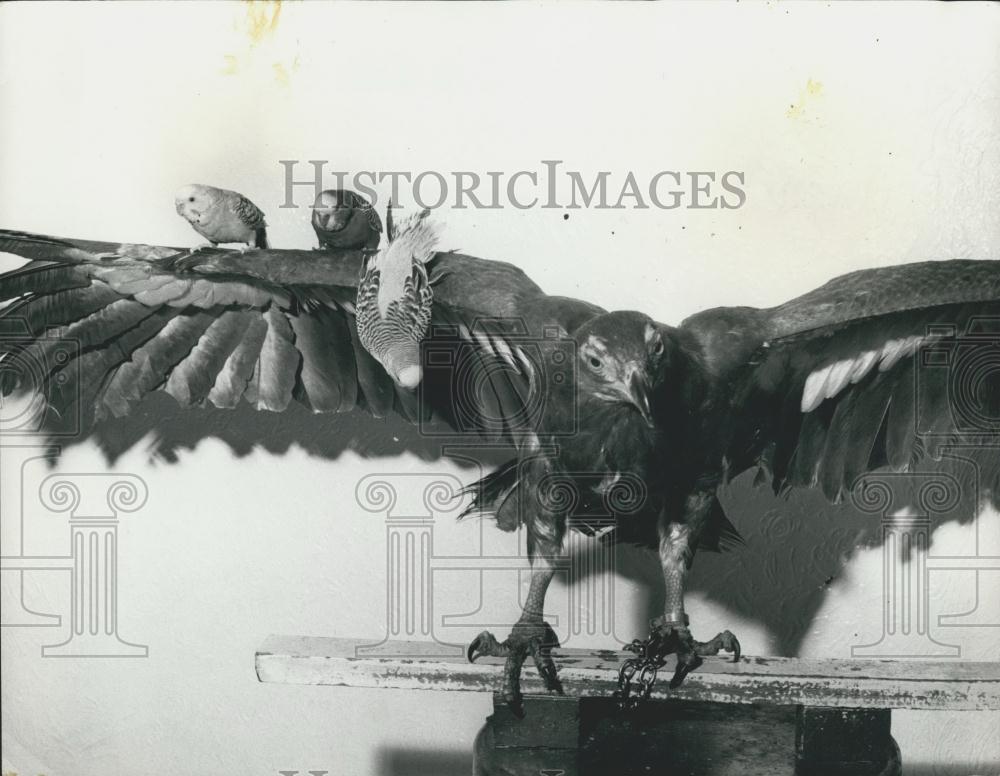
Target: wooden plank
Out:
[899,684]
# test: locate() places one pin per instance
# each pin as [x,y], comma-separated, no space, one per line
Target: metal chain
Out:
[647,661]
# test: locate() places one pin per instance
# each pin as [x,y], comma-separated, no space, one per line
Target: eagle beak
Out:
[638,393]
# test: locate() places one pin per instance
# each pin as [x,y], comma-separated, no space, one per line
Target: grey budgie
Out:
[343,219]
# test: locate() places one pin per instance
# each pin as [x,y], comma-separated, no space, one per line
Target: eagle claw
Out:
[527,638]
[485,644]
[676,638]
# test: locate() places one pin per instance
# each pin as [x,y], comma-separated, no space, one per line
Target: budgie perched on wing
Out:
[343,219]
[221,216]
[394,298]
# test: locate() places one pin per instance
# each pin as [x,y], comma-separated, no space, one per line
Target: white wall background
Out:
[869,135]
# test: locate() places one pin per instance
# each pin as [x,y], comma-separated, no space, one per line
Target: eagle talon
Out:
[722,641]
[486,644]
[526,638]
[546,668]
[516,705]
[671,637]
[728,642]
[686,663]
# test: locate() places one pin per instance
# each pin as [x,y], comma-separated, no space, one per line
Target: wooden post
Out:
[583,736]
[550,741]
[844,742]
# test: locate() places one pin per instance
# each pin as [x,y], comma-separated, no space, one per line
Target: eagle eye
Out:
[658,349]
[594,362]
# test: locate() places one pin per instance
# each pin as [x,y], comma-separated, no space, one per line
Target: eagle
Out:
[599,408]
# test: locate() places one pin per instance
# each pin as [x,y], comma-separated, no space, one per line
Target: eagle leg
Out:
[531,635]
[670,632]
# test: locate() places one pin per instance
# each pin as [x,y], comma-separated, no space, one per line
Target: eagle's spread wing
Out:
[267,327]
[874,368]
[879,367]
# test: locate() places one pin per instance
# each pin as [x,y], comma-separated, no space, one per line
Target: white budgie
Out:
[222,216]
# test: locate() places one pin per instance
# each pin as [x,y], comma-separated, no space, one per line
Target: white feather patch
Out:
[839,374]
[529,369]
[812,393]
[826,382]
[863,365]
[895,350]
[503,350]
[484,342]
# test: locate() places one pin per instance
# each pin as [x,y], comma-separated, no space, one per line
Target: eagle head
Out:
[620,354]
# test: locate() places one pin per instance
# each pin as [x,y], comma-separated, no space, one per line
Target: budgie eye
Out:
[190,199]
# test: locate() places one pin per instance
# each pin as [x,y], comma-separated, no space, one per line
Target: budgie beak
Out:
[408,377]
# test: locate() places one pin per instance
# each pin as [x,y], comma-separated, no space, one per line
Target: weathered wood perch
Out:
[883,684]
[761,715]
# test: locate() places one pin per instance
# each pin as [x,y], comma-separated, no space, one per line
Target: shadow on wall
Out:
[422,762]
[797,545]
[244,429]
